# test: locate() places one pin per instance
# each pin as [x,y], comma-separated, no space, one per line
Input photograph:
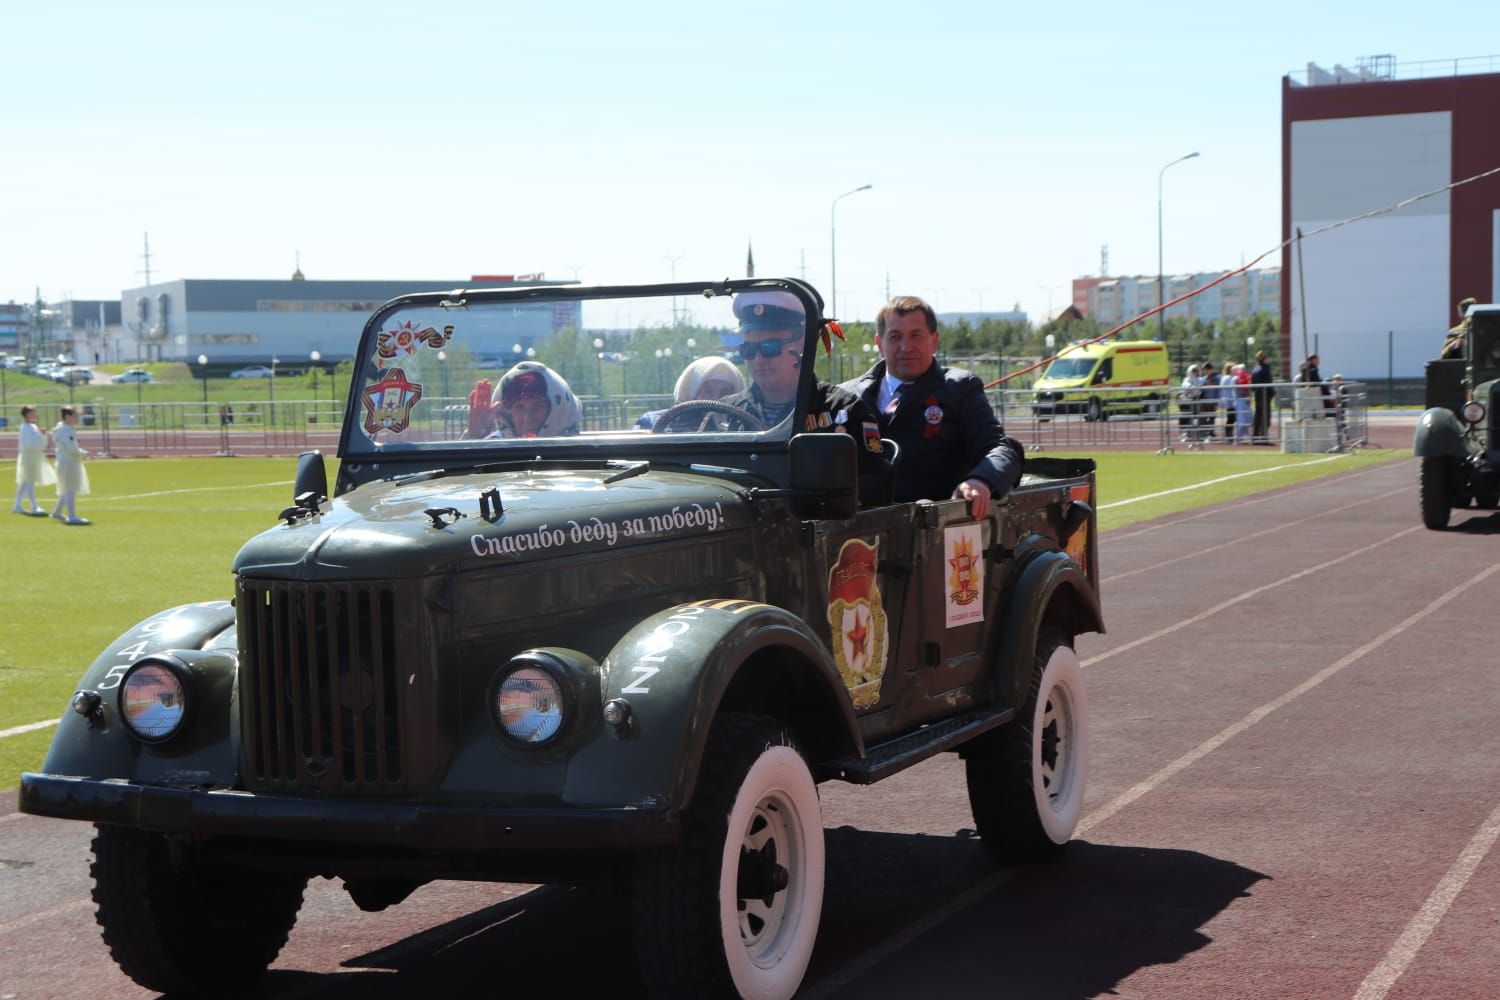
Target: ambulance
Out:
[1105,378]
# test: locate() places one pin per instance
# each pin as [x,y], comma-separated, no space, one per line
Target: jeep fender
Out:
[1439,433]
[202,637]
[1050,589]
[677,668]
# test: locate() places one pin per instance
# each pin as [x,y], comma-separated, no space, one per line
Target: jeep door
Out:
[861,574]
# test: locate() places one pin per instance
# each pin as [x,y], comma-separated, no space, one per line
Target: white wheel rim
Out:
[769,835]
[776,816]
[1059,745]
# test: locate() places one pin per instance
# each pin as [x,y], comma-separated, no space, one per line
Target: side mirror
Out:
[312,477]
[825,472]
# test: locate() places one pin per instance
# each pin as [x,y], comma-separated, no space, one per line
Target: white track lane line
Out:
[193,489]
[1238,539]
[1380,980]
[1224,736]
[30,727]
[892,945]
[1241,598]
[1214,482]
[1233,505]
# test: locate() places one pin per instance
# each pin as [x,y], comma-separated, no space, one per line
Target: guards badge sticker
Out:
[856,619]
[388,402]
[963,550]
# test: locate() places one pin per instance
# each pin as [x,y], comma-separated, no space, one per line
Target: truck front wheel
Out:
[179,925]
[733,910]
[1437,503]
[1026,780]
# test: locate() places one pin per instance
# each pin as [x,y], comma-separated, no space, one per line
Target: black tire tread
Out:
[998,768]
[1436,505]
[160,933]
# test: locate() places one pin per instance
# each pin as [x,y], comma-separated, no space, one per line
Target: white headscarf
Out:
[565,413]
[702,370]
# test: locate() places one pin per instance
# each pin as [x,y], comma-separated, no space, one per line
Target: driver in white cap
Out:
[773,327]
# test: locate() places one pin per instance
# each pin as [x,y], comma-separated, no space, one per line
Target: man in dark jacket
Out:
[951,444]
[1261,377]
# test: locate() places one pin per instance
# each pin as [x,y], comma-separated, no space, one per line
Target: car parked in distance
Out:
[252,371]
[76,375]
[132,375]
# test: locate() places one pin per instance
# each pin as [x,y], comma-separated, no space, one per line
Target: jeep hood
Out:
[381,531]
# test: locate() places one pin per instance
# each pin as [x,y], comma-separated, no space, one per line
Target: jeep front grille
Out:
[320,705]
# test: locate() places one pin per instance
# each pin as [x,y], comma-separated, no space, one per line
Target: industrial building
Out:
[1380,292]
[234,322]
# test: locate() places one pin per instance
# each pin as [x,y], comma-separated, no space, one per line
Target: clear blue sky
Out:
[1006,142]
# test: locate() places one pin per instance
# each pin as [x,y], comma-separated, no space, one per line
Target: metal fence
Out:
[1174,418]
[1116,418]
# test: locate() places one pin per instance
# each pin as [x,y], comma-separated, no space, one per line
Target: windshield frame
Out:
[354,446]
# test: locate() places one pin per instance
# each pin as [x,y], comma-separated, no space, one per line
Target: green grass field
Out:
[166,530]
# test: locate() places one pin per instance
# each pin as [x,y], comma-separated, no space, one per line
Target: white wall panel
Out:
[1379,275]
[1388,273]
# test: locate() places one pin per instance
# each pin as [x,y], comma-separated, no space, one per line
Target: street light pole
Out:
[203,373]
[1161,298]
[314,356]
[673,261]
[833,254]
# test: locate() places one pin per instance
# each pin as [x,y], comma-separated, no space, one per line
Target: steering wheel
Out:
[722,416]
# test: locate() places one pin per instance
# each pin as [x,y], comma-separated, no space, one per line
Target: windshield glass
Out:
[1486,346]
[1070,368]
[498,371]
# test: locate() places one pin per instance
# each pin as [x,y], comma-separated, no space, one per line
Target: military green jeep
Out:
[593,654]
[1456,438]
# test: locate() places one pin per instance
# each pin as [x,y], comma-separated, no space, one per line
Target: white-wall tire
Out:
[1027,780]
[713,916]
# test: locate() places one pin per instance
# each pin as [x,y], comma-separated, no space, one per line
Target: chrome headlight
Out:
[529,704]
[153,700]
[1473,412]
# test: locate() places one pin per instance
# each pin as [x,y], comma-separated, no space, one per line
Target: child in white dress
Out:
[32,468]
[71,479]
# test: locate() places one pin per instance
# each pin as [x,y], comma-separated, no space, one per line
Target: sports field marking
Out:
[1241,598]
[1238,540]
[191,489]
[30,727]
[1164,524]
[1224,736]
[1380,980]
[1215,482]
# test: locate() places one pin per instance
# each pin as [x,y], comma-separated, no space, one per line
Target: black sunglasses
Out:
[765,348]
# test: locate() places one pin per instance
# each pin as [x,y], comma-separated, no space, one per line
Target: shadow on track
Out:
[1488,524]
[1075,928]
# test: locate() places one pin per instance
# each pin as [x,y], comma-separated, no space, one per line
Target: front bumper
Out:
[389,824]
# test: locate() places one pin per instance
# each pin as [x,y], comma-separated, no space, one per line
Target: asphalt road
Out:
[1294,793]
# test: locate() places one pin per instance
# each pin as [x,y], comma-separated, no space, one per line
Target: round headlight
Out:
[153,702]
[529,705]
[1473,412]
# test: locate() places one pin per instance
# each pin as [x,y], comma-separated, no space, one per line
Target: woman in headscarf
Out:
[712,377]
[532,400]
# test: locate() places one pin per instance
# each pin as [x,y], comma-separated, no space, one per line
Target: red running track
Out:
[1294,794]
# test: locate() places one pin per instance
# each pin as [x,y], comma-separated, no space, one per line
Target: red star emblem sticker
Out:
[857,636]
